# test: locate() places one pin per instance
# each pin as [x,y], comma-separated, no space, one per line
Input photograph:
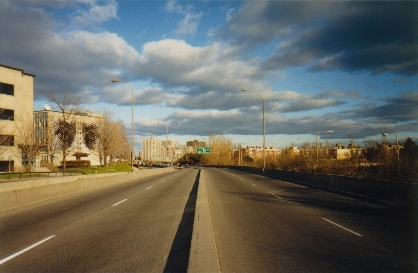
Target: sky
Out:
[350,67]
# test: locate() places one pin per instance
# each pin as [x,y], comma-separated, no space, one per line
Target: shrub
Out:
[76,163]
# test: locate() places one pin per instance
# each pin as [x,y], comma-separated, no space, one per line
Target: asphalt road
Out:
[128,227]
[259,224]
[266,225]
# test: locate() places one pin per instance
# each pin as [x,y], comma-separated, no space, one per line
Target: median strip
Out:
[26,249]
[340,226]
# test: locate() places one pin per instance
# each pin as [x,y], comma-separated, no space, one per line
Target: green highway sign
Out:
[203,150]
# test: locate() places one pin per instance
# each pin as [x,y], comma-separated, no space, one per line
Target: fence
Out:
[25,175]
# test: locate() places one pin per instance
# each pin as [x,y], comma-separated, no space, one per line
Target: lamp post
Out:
[132,125]
[317,133]
[264,128]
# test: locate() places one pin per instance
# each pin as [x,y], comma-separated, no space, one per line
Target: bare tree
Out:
[113,142]
[65,126]
[220,150]
[27,142]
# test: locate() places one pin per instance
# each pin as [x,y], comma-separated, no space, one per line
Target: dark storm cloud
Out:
[350,36]
[396,109]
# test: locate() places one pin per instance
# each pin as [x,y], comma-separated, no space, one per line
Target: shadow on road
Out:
[178,259]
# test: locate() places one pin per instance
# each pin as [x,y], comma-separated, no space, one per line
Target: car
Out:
[179,167]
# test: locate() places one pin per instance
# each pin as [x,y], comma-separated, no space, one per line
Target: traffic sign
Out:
[203,150]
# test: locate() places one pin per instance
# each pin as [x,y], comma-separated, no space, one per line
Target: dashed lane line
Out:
[26,249]
[278,197]
[114,205]
[340,226]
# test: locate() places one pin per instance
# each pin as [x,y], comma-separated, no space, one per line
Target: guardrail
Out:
[24,175]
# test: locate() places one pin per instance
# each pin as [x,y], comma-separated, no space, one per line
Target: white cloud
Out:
[97,14]
[174,62]
[105,46]
[189,24]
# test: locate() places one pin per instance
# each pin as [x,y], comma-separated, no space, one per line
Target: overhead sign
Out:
[203,150]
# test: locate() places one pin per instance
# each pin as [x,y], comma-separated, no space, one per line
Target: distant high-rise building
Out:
[195,144]
[151,149]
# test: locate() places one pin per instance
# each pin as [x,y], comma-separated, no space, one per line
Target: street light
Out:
[171,156]
[132,125]
[264,129]
[317,133]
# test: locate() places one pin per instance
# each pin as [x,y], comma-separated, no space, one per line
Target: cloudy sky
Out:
[350,67]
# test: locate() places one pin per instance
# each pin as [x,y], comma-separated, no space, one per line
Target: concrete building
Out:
[195,144]
[341,152]
[16,108]
[168,147]
[157,150]
[84,144]
[152,149]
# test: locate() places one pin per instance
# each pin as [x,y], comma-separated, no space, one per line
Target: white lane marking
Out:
[149,187]
[26,249]
[253,185]
[114,205]
[278,197]
[340,226]
[162,181]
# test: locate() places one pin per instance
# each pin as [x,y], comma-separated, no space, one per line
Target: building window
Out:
[7,140]
[7,114]
[7,89]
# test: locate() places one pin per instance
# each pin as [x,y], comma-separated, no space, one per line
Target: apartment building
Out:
[152,149]
[16,108]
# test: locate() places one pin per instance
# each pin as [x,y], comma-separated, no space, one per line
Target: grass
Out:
[112,168]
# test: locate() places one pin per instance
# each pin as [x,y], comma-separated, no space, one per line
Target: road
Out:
[259,225]
[266,225]
[129,227]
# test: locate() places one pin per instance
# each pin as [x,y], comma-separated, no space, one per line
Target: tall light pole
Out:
[317,133]
[132,125]
[264,128]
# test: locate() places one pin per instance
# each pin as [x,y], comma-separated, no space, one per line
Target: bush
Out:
[76,163]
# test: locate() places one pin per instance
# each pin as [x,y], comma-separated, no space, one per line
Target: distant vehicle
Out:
[179,167]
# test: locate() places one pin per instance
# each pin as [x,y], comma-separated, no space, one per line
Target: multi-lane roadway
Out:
[259,224]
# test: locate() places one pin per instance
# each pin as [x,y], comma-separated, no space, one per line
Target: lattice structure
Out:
[90,135]
[64,132]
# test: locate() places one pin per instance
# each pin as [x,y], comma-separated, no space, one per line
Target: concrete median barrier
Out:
[19,193]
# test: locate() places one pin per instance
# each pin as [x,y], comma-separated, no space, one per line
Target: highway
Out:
[266,225]
[128,227]
[260,224]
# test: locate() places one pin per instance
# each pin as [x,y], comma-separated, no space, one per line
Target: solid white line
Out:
[149,187]
[26,249]
[278,197]
[340,226]
[119,202]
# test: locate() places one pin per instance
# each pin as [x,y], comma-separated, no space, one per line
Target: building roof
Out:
[17,69]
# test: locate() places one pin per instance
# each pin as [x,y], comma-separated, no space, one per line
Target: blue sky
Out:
[350,67]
